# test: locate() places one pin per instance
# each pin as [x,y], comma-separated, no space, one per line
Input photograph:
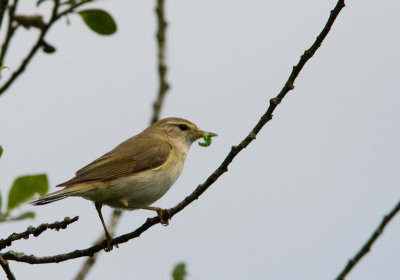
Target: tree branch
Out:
[36,231]
[169,213]
[55,16]
[367,246]
[6,267]
[3,7]
[162,61]
[88,264]
[10,30]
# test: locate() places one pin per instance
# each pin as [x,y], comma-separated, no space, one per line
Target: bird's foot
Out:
[160,213]
[109,245]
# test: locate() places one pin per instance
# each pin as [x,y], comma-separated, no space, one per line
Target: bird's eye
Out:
[183,127]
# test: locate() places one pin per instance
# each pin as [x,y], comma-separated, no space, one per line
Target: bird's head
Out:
[179,131]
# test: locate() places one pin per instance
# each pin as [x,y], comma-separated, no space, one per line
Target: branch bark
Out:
[10,29]
[36,231]
[3,7]
[6,268]
[367,246]
[162,61]
[169,213]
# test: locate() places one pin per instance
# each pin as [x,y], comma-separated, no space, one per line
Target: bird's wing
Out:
[129,157]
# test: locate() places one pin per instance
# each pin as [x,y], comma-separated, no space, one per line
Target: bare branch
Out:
[72,8]
[6,267]
[29,21]
[169,213]
[10,30]
[162,61]
[367,246]
[89,252]
[36,231]
[55,16]
[3,7]
[88,264]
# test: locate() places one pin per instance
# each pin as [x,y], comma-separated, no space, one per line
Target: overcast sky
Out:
[296,204]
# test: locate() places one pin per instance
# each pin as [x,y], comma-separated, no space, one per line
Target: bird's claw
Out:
[160,213]
[109,245]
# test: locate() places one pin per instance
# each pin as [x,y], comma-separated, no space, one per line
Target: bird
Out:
[136,173]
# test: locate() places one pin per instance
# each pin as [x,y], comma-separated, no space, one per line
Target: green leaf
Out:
[179,272]
[4,67]
[25,187]
[1,150]
[4,217]
[99,21]
[23,216]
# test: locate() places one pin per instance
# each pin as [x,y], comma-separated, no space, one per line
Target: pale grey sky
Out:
[296,204]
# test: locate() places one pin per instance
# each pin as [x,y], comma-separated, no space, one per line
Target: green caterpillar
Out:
[207,139]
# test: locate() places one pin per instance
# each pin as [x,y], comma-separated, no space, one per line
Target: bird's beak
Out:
[199,134]
[212,134]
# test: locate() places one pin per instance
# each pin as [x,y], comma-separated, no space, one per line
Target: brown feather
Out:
[125,159]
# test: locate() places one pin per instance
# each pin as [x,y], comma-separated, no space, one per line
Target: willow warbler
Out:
[136,173]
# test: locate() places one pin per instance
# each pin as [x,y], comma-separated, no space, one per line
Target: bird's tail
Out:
[58,195]
[49,198]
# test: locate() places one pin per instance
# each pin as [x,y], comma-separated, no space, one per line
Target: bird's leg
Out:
[160,212]
[108,236]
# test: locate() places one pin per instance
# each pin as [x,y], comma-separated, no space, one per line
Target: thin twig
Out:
[6,268]
[367,246]
[55,16]
[10,31]
[169,213]
[3,7]
[88,264]
[72,8]
[157,105]
[36,231]
[163,85]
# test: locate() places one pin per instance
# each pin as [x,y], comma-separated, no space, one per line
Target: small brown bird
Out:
[136,173]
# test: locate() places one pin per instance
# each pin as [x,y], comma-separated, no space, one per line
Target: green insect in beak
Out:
[207,139]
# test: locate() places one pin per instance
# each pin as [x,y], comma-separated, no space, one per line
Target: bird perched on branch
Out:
[137,172]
